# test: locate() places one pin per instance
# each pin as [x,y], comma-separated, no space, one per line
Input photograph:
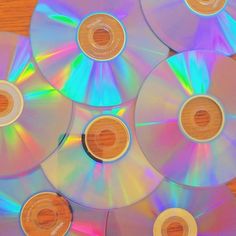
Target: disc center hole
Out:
[46,218]
[106,138]
[175,229]
[206,7]
[202,118]
[4,103]
[102,36]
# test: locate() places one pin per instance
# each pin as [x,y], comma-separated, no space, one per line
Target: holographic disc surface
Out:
[95,183]
[214,210]
[81,71]
[173,84]
[193,24]
[33,115]
[88,221]
[14,193]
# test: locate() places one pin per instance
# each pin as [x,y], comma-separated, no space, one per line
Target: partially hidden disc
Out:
[30,206]
[193,24]
[94,52]
[185,118]
[33,115]
[100,164]
[176,210]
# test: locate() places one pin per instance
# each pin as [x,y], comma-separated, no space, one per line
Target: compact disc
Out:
[193,24]
[33,115]
[100,163]
[94,52]
[176,210]
[186,118]
[30,206]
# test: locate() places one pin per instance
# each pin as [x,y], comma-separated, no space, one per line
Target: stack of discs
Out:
[30,206]
[92,148]
[93,51]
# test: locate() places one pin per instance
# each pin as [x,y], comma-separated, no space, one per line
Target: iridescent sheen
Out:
[157,118]
[214,210]
[46,114]
[183,29]
[101,185]
[14,193]
[56,49]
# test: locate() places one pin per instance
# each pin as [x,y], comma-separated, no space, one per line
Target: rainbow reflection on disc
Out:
[88,221]
[66,43]
[14,193]
[213,209]
[33,115]
[193,24]
[181,101]
[103,181]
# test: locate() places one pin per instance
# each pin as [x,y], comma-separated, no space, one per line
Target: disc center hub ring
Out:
[201,118]
[106,138]
[175,221]
[206,7]
[11,103]
[101,37]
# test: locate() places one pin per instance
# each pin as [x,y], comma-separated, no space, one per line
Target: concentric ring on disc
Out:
[206,7]
[194,24]
[106,138]
[201,118]
[34,117]
[46,213]
[94,53]
[11,103]
[176,210]
[173,216]
[186,118]
[101,37]
[31,196]
[100,163]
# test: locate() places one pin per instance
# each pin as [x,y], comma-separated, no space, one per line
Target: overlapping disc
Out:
[94,52]
[100,164]
[88,221]
[193,24]
[33,115]
[175,210]
[185,118]
[30,206]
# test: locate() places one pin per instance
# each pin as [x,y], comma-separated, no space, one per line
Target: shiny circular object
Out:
[101,37]
[95,183]
[194,161]
[92,51]
[206,7]
[17,193]
[106,138]
[11,103]
[175,216]
[193,24]
[46,213]
[201,118]
[211,210]
[34,116]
